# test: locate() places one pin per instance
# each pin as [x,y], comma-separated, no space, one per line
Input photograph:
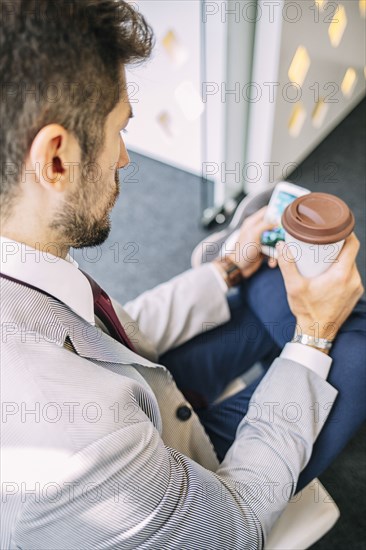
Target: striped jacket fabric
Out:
[94,452]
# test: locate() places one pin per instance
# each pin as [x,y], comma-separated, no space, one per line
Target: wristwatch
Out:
[321,344]
[231,271]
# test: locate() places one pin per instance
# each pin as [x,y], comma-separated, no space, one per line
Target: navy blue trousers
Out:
[261,323]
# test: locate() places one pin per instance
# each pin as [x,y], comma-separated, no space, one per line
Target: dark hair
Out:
[60,62]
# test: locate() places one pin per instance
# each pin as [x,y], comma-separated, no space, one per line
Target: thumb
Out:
[286,262]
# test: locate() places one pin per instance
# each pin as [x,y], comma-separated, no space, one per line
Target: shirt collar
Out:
[59,277]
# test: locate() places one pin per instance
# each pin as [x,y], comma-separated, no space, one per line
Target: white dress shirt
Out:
[62,279]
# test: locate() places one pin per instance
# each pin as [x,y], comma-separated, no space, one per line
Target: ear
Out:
[52,152]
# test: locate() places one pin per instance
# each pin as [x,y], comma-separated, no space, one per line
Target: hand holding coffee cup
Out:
[317,226]
[322,304]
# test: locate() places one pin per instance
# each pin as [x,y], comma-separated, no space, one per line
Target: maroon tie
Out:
[104,310]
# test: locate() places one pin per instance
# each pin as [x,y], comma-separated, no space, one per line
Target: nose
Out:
[124,158]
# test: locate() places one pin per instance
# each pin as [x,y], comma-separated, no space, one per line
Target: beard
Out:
[78,224]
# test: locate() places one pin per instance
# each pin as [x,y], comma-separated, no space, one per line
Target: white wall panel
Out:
[271,139]
[161,89]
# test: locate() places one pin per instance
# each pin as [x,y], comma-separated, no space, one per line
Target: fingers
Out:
[357,281]
[258,226]
[272,263]
[287,264]
[253,226]
[348,254]
[264,225]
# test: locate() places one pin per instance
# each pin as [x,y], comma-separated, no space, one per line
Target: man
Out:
[100,448]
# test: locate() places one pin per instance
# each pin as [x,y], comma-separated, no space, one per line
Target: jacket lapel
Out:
[92,343]
[31,311]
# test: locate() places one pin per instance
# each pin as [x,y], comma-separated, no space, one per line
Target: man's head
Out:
[64,103]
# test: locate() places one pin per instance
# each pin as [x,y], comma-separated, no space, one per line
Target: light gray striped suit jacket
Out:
[93,454]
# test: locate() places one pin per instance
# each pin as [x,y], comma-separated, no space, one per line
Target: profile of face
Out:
[82,219]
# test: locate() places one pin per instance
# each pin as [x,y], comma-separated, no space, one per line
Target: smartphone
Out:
[283,194]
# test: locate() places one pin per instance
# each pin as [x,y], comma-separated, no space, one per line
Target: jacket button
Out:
[184,412]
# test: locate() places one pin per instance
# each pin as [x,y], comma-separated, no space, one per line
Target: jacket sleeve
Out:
[131,491]
[174,312]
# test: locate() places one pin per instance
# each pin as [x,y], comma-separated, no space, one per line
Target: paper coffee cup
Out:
[316,226]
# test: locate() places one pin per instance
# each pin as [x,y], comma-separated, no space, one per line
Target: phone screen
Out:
[282,200]
[276,209]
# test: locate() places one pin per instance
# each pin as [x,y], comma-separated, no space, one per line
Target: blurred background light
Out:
[337,26]
[297,119]
[319,113]
[349,82]
[189,100]
[299,66]
[175,50]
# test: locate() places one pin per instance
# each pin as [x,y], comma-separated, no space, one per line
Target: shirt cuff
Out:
[311,358]
[220,279]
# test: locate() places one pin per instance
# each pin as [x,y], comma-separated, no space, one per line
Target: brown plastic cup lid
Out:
[318,218]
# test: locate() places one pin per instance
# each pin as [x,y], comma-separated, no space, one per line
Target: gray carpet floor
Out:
[155,226]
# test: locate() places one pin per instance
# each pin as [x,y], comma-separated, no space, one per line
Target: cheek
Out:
[113,155]
[115,152]
[108,165]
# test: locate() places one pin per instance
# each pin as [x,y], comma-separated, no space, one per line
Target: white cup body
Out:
[312,259]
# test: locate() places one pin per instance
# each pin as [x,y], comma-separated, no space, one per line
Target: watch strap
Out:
[233,274]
